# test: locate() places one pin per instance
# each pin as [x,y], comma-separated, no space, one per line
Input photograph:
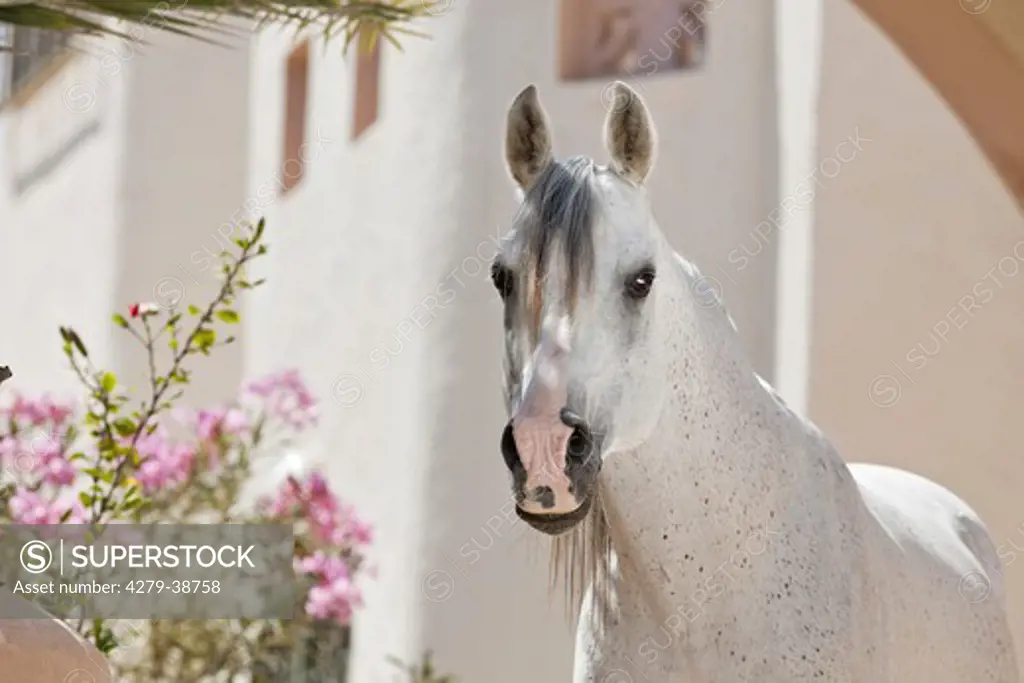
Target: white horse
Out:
[718,536]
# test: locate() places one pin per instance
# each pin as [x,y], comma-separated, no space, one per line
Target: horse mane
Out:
[582,559]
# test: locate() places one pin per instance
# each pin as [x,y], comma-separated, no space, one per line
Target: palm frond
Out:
[197,18]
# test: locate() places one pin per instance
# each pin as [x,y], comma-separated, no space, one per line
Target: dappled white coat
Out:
[740,546]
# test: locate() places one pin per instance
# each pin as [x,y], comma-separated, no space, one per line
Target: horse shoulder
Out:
[945,596]
[918,512]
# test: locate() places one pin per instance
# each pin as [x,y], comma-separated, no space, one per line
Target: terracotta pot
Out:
[41,649]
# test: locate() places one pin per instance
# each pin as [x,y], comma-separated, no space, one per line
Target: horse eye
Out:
[502,278]
[638,285]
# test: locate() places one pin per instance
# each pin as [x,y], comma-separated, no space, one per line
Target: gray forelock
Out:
[560,207]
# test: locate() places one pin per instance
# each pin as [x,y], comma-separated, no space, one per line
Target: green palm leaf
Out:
[198,18]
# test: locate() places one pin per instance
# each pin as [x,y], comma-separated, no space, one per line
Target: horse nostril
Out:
[581,440]
[571,419]
[509,450]
[580,444]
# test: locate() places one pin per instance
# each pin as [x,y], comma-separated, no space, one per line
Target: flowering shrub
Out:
[424,672]
[99,462]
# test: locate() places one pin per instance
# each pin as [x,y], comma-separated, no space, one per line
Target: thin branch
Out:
[158,389]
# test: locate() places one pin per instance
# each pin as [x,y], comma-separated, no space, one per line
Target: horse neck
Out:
[723,457]
[716,401]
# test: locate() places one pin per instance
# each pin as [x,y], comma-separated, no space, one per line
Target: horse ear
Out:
[527,138]
[629,133]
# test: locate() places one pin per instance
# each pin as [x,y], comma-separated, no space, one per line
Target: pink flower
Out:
[287,398]
[59,472]
[335,595]
[57,414]
[235,422]
[318,487]
[41,455]
[28,507]
[330,520]
[285,502]
[39,412]
[49,460]
[210,424]
[10,448]
[320,564]
[142,309]
[354,531]
[16,456]
[164,464]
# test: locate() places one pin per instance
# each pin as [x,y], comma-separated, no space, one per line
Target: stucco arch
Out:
[972,52]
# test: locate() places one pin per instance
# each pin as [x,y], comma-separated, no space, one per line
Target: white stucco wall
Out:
[917,289]
[344,268]
[135,156]
[163,151]
[410,212]
[186,124]
[380,229]
[58,237]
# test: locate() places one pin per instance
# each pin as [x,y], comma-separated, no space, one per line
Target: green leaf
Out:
[76,340]
[205,338]
[228,316]
[72,339]
[106,641]
[124,427]
[109,382]
[86,499]
[193,310]
[120,321]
